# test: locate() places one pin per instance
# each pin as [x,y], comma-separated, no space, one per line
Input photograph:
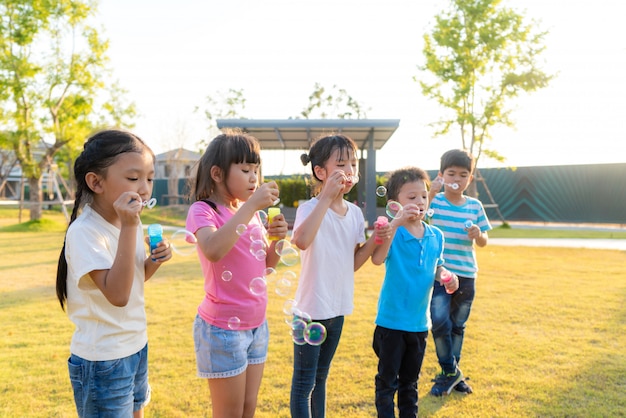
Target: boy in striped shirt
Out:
[464,223]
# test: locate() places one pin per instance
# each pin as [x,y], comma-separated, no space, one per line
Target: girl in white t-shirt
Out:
[330,233]
[101,274]
[230,331]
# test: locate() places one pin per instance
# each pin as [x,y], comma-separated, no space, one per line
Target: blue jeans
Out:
[112,388]
[449,313]
[311,364]
[400,356]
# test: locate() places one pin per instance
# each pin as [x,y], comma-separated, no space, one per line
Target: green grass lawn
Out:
[546,337]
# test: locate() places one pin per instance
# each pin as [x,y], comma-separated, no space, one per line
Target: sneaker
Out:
[444,383]
[463,387]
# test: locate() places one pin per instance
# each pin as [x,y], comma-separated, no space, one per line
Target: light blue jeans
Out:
[112,388]
[449,313]
[311,364]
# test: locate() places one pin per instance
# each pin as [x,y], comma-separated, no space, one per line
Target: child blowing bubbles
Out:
[101,274]
[413,258]
[464,223]
[331,235]
[230,330]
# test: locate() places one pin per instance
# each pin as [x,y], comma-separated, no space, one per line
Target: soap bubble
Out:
[258,286]
[257,249]
[393,209]
[315,333]
[381,191]
[281,245]
[241,229]
[227,275]
[234,323]
[257,233]
[297,331]
[289,256]
[283,285]
[289,306]
[183,242]
[430,212]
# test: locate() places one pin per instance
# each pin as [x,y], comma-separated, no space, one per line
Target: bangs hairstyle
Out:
[402,176]
[457,158]
[223,150]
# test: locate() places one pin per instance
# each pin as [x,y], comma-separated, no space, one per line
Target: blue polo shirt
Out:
[409,276]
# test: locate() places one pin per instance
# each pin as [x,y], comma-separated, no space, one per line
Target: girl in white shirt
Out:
[101,273]
[330,233]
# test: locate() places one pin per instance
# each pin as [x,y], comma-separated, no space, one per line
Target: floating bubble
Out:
[453,186]
[283,285]
[183,242]
[281,245]
[289,306]
[227,275]
[381,191]
[297,331]
[430,213]
[234,323]
[468,224]
[270,275]
[150,203]
[353,179]
[241,229]
[315,333]
[257,249]
[258,286]
[262,216]
[257,233]
[393,209]
[303,315]
[289,256]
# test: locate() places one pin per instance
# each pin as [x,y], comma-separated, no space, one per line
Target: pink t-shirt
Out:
[228,299]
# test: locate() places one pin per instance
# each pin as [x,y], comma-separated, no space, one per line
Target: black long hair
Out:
[99,152]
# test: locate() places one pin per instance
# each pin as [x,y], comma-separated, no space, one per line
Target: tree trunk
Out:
[36,198]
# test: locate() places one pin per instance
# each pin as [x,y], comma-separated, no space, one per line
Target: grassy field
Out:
[546,337]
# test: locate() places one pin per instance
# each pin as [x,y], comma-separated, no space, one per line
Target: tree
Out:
[53,77]
[332,103]
[481,56]
[222,105]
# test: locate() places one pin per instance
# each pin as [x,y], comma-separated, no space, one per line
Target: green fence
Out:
[594,193]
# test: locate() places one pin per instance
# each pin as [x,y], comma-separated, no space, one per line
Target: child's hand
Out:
[162,253]
[265,195]
[128,206]
[436,185]
[408,214]
[278,227]
[334,185]
[473,232]
[383,232]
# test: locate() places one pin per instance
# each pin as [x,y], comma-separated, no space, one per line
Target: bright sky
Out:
[171,55]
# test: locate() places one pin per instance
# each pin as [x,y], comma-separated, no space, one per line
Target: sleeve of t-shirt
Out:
[200,215]
[87,250]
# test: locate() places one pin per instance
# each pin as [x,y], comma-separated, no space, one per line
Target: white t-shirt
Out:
[103,331]
[326,285]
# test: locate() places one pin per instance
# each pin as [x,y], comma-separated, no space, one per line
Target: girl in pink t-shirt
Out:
[230,330]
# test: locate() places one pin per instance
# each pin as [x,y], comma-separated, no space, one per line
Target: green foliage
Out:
[479,57]
[54,80]
[332,103]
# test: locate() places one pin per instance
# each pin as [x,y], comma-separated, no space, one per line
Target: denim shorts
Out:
[111,388]
[224,353]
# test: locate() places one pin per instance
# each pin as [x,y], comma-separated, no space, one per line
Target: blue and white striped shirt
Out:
[459,253]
